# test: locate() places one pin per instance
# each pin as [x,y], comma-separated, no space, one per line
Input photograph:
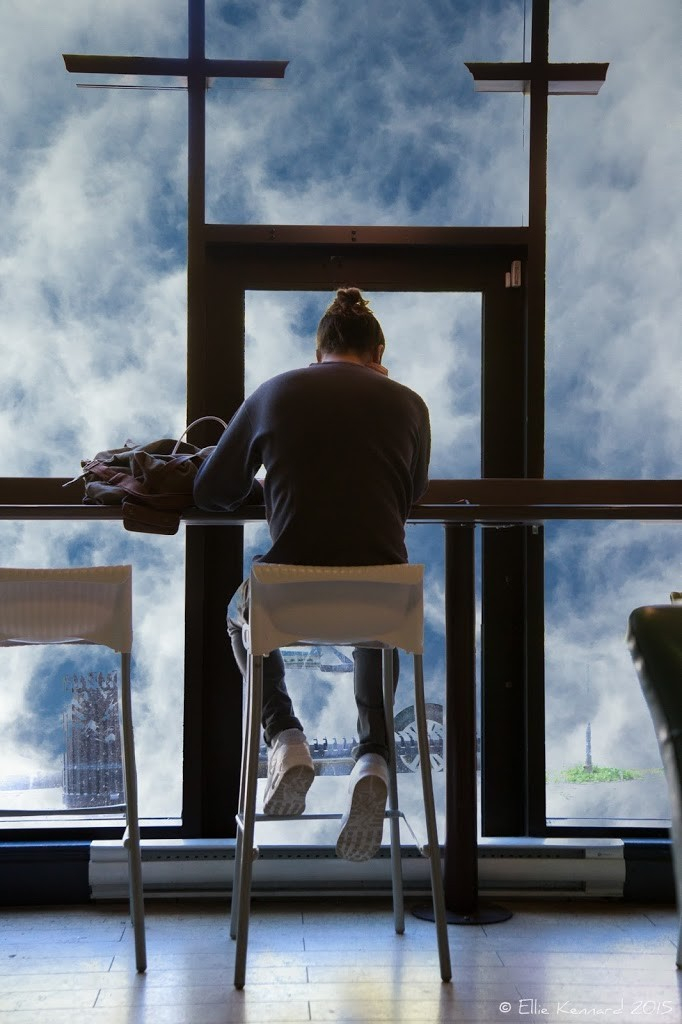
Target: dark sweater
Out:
[346,450]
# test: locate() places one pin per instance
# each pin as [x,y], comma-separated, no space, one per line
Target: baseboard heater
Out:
[204,867]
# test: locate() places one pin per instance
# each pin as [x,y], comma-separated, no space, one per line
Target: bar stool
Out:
[377,606]
[84,606]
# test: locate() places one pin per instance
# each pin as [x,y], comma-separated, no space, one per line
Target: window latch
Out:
[512,279]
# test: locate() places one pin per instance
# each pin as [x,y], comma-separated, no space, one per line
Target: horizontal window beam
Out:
[449,501]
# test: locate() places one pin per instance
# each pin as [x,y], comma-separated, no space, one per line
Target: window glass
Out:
[376,120]
[93,250]
[614,361]
[320,683]
[442,363]
[613,371]
[603,764]
[58,705]
[364,129]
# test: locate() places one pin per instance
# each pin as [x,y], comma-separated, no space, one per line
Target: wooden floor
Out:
[339,961]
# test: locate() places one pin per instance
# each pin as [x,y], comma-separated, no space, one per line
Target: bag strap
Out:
[202,419]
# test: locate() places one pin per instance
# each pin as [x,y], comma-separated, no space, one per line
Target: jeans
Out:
[278,710]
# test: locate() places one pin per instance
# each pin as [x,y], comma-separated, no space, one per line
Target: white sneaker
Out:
[363,824]
[290,774]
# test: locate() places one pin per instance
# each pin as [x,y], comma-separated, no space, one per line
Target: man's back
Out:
[346,451]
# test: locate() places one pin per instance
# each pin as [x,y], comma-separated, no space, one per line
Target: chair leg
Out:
[132,840]
[430,815]
[248,851]
[239,845]
[394,821]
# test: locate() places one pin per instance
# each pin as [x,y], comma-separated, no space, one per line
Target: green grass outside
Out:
[599,774]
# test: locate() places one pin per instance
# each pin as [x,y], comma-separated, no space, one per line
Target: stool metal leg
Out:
[396,861]
[132,836]
[430,816]
[248,823]
[239,846]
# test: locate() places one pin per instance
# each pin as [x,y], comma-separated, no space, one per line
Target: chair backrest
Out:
[58,606]
[379,605]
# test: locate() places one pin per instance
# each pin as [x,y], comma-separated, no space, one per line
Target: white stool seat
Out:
[363,606]
[373,605]
[84,606]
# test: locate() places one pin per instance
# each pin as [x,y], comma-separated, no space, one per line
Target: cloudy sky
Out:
[376,122]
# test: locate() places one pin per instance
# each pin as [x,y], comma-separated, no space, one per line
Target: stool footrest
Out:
[388,815]
[316,817]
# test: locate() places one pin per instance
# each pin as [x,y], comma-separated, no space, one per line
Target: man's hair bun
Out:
[349,300]
[349,325]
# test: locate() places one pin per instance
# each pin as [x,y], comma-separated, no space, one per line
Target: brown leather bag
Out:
[152,482]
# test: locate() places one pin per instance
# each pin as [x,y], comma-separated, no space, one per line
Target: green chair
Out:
[655,641]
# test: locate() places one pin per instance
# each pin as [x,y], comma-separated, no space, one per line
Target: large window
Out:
[603,765]
[58,734]
[320,683]
[445,368]
[613,313]
[613,363]
[376,121]
[375,124]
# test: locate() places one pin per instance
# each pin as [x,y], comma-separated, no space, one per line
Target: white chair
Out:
[370,606]
[84,606]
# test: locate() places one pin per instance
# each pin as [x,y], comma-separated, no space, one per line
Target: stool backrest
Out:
[61,606]
[376,605]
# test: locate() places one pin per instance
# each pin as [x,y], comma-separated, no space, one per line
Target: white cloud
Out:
[613,284]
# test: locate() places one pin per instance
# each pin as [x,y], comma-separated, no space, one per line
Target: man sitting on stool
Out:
[346,453]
